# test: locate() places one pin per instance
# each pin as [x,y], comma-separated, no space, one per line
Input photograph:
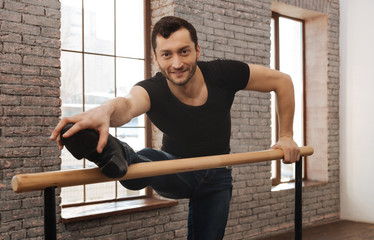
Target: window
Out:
[103,56]
[287,55]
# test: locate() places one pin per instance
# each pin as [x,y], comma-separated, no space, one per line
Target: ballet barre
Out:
[48,181]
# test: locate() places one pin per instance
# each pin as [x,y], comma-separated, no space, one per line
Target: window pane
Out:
[72,194]
[123,192]
[272,98]
[99,26]
[99,80]
[71,83]
[291,62]
[273,132]
[133,136]
[272,94]
[272,46]
[71,25]
[71,96]
[130,37]
[129,72]
[100,191]
[288,172]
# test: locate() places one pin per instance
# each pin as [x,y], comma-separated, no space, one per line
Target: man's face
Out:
[177,57]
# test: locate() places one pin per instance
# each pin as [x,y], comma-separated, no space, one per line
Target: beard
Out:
[183,82]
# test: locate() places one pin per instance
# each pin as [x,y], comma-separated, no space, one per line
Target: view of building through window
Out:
[287,57]
[102,57]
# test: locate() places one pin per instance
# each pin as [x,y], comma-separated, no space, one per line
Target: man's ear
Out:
[155,60]
[198,52]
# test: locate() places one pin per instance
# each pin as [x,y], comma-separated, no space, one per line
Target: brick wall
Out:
[235,29]
[29,107]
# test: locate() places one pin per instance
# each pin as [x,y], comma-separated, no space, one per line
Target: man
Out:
[189,101]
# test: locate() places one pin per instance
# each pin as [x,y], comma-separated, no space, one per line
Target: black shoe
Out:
[111,161]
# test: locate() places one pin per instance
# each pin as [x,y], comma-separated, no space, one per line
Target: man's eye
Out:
[185,52]
[165,55]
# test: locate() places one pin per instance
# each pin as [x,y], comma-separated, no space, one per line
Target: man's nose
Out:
[177,63]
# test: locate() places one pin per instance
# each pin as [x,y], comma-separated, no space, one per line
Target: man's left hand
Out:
[290,149]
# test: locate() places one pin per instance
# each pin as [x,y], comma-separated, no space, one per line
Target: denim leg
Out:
[209,208]
[209,192]
[175,186]
[144,155]
[208,216]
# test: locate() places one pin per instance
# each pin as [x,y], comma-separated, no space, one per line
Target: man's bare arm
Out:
[112,113]
[266,80]
[126,108]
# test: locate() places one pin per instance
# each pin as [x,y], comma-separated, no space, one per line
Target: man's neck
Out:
[193,93]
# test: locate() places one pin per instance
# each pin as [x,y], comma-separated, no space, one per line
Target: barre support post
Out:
[50,232]
[298,199]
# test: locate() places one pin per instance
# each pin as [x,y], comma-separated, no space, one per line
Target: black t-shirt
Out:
[192,131]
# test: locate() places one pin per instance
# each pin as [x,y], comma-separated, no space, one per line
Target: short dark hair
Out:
[170,24]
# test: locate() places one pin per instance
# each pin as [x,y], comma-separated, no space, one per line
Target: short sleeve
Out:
[231,74]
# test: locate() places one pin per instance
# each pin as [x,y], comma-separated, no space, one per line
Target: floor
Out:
[341,230]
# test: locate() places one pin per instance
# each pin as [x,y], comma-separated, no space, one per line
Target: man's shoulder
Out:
[221,63]
[155,86]
[231,74]
[157,79]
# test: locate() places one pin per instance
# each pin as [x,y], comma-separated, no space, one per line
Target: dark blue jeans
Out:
[209,192]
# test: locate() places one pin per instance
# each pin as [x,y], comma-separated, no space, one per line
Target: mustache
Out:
[182,69]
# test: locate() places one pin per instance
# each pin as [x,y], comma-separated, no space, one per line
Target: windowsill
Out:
[291,185]
[93,211]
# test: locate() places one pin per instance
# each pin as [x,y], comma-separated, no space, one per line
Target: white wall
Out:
[357,110]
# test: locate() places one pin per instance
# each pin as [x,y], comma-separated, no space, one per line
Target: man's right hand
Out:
[115,112]
[97,119]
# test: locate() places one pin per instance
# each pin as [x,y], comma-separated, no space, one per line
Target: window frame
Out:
[275,16]
[147,124]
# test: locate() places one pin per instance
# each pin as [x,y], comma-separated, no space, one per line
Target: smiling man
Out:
[189,101]
[178,70]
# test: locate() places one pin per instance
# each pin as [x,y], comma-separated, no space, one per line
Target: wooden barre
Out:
[67,178]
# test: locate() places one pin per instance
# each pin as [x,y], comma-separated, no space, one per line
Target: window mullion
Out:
[83,93]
